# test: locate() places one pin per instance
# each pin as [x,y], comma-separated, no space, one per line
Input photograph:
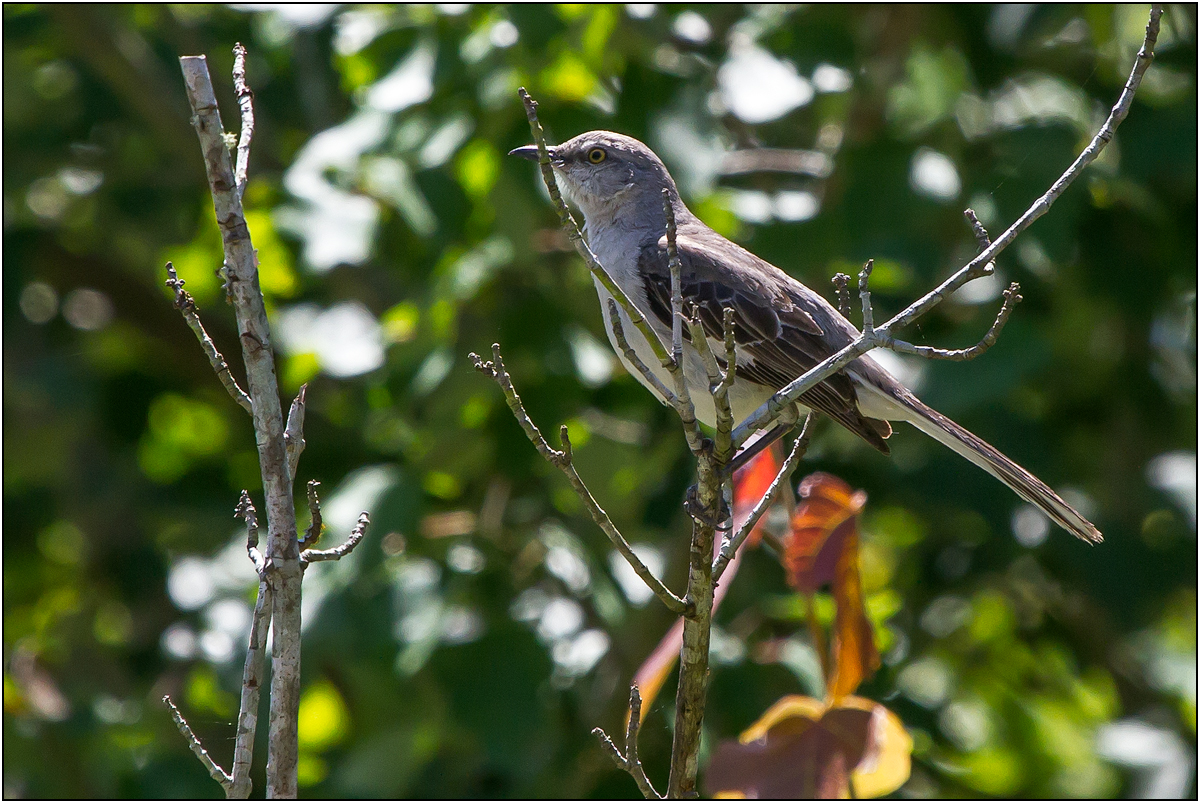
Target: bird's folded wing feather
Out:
[775,324]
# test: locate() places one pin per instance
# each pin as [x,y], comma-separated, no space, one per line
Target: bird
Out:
[781,327]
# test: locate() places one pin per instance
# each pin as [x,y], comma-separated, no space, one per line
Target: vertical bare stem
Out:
[282,548]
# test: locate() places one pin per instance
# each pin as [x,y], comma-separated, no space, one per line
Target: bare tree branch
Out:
[293,433]
[337,553]
[219,775]
[630,761]
[313,533]
[733,544]
[614,318]
[283,553]
[841,281]
[187,306]
[683,399]
[977,267]
[252,669]
[1012,296]
[246,101]
[562,460]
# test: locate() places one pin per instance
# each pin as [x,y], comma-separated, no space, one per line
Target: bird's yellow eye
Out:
[597,155]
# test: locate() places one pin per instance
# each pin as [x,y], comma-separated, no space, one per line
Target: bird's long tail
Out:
[991,460]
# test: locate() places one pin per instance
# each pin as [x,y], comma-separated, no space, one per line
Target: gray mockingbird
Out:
[782,328]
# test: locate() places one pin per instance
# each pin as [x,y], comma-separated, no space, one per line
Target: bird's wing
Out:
[775,323]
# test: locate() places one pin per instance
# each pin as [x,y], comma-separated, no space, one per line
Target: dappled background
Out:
[484,627]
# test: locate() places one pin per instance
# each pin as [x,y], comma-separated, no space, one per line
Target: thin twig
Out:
[576,236]
[614,318]
[313,533]
[1012,296]
[733,544]
[337,553]
[293,433]
[683,400]
[219,775]
[252,670]
[245,511]
[864,293]
[562,460]
[977,267]
[981,234]
[187,306]
[245,100]
[630,762]
[842,282]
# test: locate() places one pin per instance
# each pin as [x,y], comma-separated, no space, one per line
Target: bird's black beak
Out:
[529,152]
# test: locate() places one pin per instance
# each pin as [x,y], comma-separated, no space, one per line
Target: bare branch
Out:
[864,294]
[630,761]
[981,234]
[245,511]
[337,553]
[283,554]
[1012,296]
[562,460]
[313,533]
[219,775]
[576,236]
[683,399]
[246,101]
[841,281]
[977,267]
[730,373]
[187,306]
[252,683]
[731,545]
[293,433]
[614,318]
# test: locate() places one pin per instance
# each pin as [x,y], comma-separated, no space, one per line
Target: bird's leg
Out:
[785,424]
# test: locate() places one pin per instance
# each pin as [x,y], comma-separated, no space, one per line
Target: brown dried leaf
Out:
[802,749]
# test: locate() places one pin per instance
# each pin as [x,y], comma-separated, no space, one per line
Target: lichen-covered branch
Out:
[563,461]
[187,306]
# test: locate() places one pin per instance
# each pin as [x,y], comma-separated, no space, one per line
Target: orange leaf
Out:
[820,526]
[823,548]
[803,748]
[750,484]
[855,655]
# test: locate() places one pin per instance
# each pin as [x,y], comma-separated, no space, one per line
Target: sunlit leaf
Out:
[823,548]
[750,483]
[801,748]
[323,719]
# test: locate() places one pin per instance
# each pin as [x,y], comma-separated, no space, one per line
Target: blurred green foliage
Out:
[482,630]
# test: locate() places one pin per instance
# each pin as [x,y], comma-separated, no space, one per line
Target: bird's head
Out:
[601,172]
